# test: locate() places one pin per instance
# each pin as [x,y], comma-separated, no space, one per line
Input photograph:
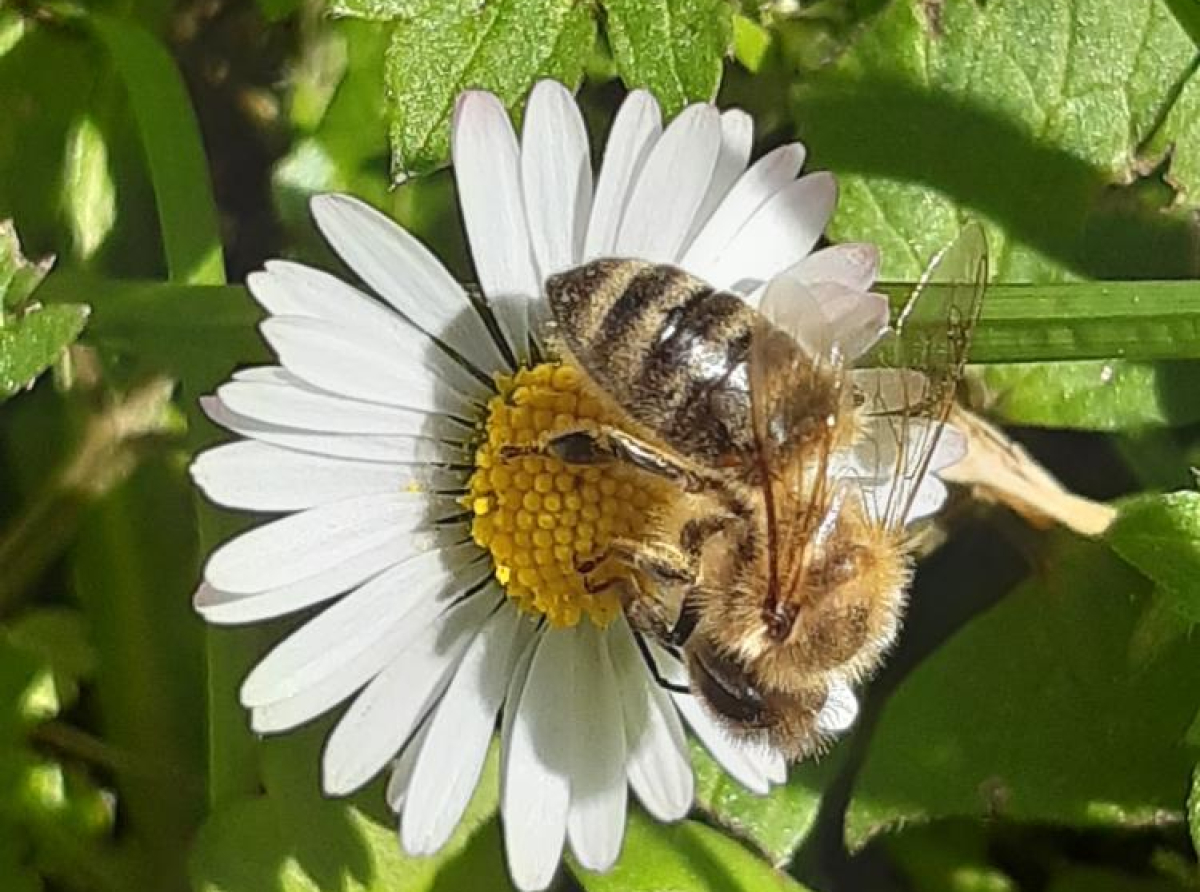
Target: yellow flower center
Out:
[539,517]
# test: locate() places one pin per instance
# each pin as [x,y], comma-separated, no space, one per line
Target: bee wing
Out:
[800,353]
[905,402]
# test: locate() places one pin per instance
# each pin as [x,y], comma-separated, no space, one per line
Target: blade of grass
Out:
[191,240]
[1136,320]
[1140,321]
[174,150]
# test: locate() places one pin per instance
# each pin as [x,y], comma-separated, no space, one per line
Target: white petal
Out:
[535,793]
[221,607]
[773,764]
[596,819]
[896,447]
[285,288]
[767,176]
[895,460]
[929,498]
[951,448]
[659,767]
[369,367]
[416,453]
[388,710]
[407,275]
[840,709]
[487,170]
[302,545]
[261,477]
[322,694]
[266,374]
[857,319]
[402,770]
[671,187]
[635,130]
[825,318]
[298,405]
[854,265]
[737,137]
[451,759]
[556,177]
[403,598]
[779,233]
[738,761]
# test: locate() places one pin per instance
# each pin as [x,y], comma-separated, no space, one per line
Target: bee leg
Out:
[609,444]
[689,615]
[664,563]
[652,665]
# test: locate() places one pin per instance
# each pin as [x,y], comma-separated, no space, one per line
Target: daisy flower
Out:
[440,577]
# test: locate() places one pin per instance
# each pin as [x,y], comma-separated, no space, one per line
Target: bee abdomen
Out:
[664,345]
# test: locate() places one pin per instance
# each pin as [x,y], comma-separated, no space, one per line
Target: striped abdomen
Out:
[670,350]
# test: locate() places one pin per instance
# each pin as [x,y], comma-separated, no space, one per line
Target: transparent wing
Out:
[906,401]
[802,411]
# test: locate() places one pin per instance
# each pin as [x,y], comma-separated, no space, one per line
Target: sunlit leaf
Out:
[89,195]
[1032,117]
[1025,712]
[503,46]
[18,275]
[1109,395]
[674,48]
[1160,535]
[688,857]
[59,637]
[31,343]
[776,823]
[291,840]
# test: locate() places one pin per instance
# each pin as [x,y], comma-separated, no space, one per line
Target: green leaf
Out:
[751,43]
[1160,536]
[390,10]
[59,637]
[674,48]
[30,344]
[32,337]
[1107,395]
[1037,118]
[1053,101]
[776,823]
[503,46]
[18,276]
[1188,13]
[688,857]
[949,856]
[89,194]
[171,327]
[1024,712]
[1089,878]
[292,840]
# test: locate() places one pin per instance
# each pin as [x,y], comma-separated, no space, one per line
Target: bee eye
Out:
[726,685]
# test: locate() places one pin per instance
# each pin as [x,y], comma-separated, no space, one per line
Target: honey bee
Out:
[777,573]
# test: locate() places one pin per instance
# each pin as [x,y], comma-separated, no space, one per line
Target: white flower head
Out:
[448,599]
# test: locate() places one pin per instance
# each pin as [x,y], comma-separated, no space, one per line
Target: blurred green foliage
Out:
[1035,729]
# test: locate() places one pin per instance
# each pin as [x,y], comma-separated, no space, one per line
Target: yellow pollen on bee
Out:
[539,517]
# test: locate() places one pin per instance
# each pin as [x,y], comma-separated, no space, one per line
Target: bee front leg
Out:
[662,562]
[646,616]
[605,444]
